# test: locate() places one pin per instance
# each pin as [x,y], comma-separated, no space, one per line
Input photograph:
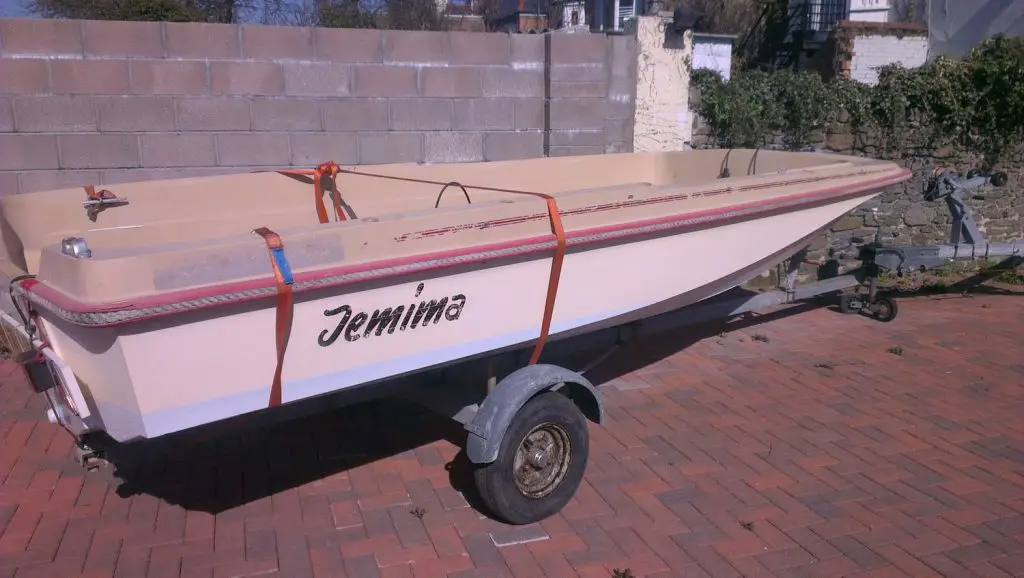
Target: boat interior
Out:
[173,222]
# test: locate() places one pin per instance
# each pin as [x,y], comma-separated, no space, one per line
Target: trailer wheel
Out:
[884,309]
[540,463]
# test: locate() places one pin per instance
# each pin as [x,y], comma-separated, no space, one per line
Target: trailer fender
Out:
[488,426]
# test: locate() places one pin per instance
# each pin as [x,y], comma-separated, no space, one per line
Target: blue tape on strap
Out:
[282,265]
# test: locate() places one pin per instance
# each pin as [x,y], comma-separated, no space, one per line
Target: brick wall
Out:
[85,102]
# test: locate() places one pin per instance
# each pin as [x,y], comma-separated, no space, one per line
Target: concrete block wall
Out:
[89,102]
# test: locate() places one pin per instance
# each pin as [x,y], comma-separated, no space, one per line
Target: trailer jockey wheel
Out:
[540,463]
[884,309]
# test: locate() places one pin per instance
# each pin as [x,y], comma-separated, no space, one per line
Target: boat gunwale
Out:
[107,314]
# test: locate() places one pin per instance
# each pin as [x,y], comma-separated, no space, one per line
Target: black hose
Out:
[724,172]
[437,203]
[752,167]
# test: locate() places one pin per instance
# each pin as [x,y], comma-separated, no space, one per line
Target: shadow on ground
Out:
[219,467]
[221,471]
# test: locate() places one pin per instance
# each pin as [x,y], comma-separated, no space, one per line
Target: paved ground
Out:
[806,445]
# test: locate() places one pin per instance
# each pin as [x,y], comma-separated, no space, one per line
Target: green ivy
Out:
[974,106]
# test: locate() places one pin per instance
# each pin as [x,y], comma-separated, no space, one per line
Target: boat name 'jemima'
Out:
[396,317]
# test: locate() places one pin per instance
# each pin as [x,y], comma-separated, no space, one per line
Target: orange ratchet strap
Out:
[94,195]
[556,273]
[328,169]
[285,305]
[331,169]
[556,262]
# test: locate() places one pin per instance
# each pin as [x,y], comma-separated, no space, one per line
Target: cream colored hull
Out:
[164,375]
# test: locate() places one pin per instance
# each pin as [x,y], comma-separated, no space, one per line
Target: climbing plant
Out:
[974,106]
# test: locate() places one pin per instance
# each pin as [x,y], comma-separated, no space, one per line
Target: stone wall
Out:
[87,102]
[901,214]
[903,217]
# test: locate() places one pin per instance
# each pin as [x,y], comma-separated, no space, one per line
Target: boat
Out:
[165,305]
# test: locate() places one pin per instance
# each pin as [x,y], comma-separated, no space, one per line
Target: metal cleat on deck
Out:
[98,201]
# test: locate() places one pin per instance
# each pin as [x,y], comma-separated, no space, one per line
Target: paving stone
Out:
[736,457]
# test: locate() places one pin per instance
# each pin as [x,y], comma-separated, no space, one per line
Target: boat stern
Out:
[49,375]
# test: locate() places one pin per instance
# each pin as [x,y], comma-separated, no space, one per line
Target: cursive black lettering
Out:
[454,310]
[352,331]
[387,318]
[324,340]
[434,310]
[356,325]
[408,315]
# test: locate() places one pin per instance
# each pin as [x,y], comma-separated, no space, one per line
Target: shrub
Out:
[974,106]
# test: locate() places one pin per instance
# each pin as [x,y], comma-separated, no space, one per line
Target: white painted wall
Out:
[662,120]
[713,53]
[872,51]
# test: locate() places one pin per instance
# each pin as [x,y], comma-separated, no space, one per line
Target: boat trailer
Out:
[966,243]
[527,439]
[498,443]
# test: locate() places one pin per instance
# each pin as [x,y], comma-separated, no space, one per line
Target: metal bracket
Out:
[98,201]
[75,247]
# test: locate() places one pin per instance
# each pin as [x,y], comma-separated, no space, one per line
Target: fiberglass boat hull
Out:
[164,375]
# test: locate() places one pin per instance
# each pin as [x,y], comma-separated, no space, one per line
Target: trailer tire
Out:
[526,484]
[884,309]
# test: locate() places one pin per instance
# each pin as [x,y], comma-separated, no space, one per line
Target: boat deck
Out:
[179,234]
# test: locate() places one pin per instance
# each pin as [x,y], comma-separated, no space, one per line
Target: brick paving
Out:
[810,444]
